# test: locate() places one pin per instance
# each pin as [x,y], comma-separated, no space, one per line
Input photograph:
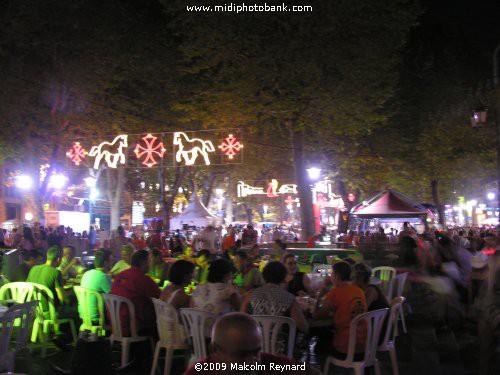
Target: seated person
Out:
[343,302]
[375,299]
[187,254]
[97,279]
[237,339]
[158,269]
[70,266]
[218,295]
[202,263]
[254,253]
[272,299]
[180,276]
[124,263]
[48,275]
[297,282]
[139,289]
[30,259]
[248,276]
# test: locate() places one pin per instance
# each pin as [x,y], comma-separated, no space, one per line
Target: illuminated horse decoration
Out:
[198,146]
[111,152]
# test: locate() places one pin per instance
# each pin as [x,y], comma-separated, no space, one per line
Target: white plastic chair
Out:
[86,298]
[20,292]
[396,289]
[389,343]
[114,304]
[197,323]
[6,328]
[45,319]
[385,275]
[171,333]
[271,327]
[373,321]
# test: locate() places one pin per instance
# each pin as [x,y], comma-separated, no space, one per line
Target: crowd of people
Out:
[452,276]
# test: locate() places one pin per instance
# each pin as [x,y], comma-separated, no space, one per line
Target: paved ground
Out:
[424,350]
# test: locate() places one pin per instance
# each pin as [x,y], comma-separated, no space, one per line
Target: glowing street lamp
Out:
[314,173]
[57,181]
[24,182]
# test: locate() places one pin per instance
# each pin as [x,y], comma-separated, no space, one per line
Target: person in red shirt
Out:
[138,288]
[345,301]
[236,349]
[229,240]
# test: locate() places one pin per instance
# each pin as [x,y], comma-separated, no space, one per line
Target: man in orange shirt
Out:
[344,302]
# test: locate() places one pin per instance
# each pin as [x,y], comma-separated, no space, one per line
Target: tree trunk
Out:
[168,201]
[303,186]
[229,200]
[116,183]
[208,186]
[437,201]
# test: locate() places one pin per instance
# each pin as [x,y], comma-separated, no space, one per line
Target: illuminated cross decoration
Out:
[230,146]
[149,150]
[76,153]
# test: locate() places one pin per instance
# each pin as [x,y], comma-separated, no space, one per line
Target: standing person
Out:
[139,289]
[208,239]
[249,236]
[228,241]
[28,240]
[344,302]
[92,238]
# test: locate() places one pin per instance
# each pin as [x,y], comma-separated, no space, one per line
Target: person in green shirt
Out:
[97,279]
[202,264]
[248,276]
[48,275]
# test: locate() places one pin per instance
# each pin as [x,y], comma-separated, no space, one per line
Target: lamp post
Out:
[479,117]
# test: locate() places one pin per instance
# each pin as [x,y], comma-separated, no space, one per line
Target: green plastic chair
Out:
[20,292]
[46,317]
[85,297]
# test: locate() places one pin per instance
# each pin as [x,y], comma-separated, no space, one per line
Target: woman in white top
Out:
[218,295]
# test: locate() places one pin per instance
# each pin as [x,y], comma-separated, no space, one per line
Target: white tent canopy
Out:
[195,215]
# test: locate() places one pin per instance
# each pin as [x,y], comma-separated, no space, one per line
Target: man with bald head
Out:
[236,349]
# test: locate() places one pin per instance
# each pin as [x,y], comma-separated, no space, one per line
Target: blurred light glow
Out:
[57,181]
[24,182]
[314,173]
[94,193]
[490,196]
[28,216]
[90,181]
